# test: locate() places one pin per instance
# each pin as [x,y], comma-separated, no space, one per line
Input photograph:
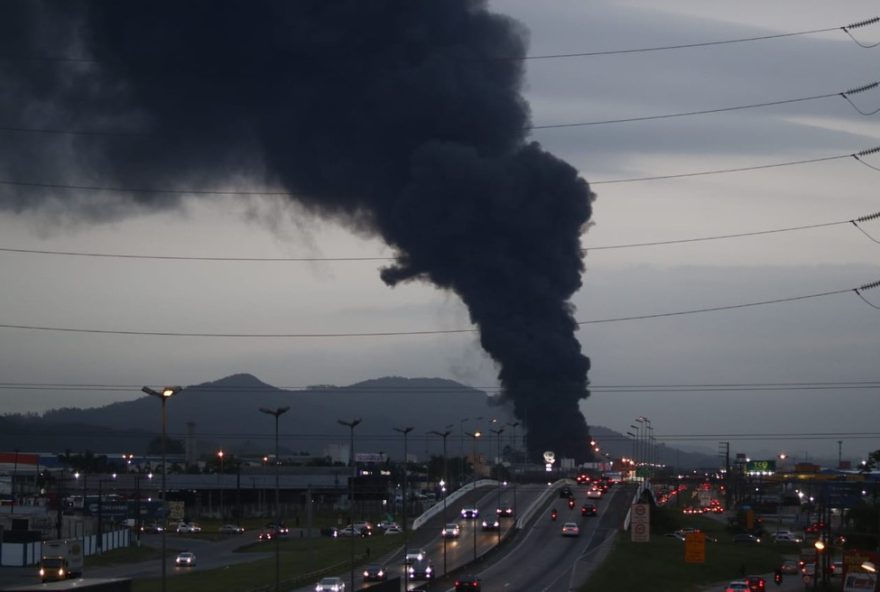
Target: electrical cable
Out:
[416,333]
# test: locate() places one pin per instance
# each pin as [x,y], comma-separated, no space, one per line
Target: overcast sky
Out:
[831,339]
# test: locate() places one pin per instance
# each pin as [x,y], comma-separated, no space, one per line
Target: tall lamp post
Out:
[498,433]
[163,395]
[474,436]
[100,542]
[220,455]
[351,425]
[276,413]
[405,431]
[443,485]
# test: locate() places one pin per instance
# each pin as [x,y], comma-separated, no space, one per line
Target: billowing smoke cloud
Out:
[398,117]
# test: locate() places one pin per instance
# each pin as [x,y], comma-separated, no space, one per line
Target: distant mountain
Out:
[226,412]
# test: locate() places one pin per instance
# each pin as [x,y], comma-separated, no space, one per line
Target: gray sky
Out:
[824,340]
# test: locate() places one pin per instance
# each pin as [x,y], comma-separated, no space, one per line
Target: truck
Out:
[61,559]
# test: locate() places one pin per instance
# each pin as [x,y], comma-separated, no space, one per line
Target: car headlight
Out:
[428,569]
[366,574]
[61,572]
[381,573]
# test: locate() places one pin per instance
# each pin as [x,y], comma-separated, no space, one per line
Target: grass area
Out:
[661,562]
[301,564]
[131,554]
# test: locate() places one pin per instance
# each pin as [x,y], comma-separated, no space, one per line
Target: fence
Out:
[24,554]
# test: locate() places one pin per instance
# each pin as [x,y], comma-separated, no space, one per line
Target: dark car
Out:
[467,584]
[565,492]
[278,529]
[504,512]
[266,535]
[421,570]
[589,510]
[746,538]
[756,583]
[470,513]
[491,524]
[374,573]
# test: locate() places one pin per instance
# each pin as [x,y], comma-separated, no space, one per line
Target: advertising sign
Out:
[761,467]
[640,523]
[695,547]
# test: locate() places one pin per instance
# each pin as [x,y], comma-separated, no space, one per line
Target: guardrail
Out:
[539,501]
[451,498]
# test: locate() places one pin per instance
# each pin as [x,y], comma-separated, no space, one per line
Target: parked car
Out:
[185,559]
[330,585]
[468,583]
[374,573]
[231,529]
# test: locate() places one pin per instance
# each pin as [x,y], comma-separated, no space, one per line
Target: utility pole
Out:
[725,447]
[405,431]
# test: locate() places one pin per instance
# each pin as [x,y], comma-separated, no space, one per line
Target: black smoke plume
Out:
[402,118]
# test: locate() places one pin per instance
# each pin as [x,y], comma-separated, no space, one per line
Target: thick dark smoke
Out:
[398,117]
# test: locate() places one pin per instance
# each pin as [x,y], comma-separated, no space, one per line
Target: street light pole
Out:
[498,433]
[220,484]
[444,434]
[163,395]
[278,412]
[351,425]
[474,436]
[405,431]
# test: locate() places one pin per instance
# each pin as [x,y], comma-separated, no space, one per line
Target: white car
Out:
[413,555]
[451,531]
[330,585]
[185,559]
[393,530]
[185,527]
[570,529]
[594,494]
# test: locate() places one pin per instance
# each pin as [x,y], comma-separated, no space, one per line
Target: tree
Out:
[173,446]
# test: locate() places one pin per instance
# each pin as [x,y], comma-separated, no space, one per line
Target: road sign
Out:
[640,523]
[695,547]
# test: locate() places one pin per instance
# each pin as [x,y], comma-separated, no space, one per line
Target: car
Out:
[153,527]
[504,512]
[570,529]
[756,583]
[231,529]
[737,586]
[279,529]
[467,583]
[393,530]
[746,538]
[386,524]
[470,513]
[422,569]
[185,559]
[789,566]
[374,573]
[491,524]
[348,531]
[451,531]
[582,479]
[595,493]
[330,585]
[837,568]
[786,537]
[365,528]
[565,492]
[808,569]
[265,536]
[188,527]
[589,510]
[413,555]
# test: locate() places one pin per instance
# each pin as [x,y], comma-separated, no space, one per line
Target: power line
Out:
[853,221]
[424,332]
[192,191]
[843,94]
[845,28]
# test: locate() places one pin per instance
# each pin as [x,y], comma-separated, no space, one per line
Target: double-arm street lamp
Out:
[444,485]
[351,425]
[405,431]
[276,413]
[163,395]
[498,433]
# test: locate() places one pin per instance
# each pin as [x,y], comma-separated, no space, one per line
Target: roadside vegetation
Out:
[660,564]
